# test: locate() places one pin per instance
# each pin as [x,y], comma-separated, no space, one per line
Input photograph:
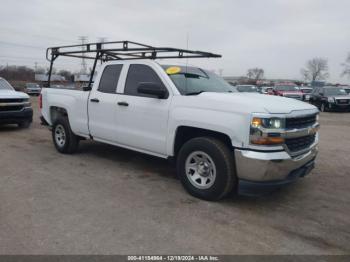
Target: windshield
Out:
[286,88]
[247,89]
[192,80]
[32,85]
[4,85]
[334,91]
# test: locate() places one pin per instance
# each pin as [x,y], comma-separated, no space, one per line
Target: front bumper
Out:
[276,167]
[15,117]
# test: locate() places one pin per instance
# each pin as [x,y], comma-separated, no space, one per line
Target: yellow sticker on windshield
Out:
[173,70]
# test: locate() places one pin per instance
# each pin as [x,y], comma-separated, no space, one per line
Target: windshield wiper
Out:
[195,93]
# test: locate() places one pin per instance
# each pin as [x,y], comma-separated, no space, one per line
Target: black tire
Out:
[323,107]
[70,143]
[225,181]
[24,124]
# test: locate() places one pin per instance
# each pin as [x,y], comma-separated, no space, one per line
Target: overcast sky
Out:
[278,36]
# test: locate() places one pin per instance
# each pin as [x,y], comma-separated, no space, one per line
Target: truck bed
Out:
[75,103]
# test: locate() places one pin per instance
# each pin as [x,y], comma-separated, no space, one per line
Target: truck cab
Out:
[218,137]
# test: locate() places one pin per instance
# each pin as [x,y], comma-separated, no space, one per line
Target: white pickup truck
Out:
[218,136]
[15,107]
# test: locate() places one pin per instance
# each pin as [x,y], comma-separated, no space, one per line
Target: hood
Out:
[248,103]
[12,94]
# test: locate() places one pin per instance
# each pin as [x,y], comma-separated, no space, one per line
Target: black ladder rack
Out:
[119,50]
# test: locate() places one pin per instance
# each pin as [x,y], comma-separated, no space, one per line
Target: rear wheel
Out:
[65,140]
[205,167]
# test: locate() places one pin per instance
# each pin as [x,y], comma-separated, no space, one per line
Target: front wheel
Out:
[65,140]
[24,124]
[205,167]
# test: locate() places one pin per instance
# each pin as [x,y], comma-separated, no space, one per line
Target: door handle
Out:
[123,104]
[94,100]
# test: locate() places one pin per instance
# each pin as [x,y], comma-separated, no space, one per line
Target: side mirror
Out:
[149,88]
[321,94]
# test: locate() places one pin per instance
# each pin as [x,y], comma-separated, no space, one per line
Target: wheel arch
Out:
[185,133]
[56,112]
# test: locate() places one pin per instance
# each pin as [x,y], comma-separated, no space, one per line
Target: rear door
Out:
[102,104]
[142,119]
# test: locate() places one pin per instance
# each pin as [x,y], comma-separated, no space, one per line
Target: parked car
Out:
[347,89]
[330,98]
[247,88]
[267,90]
[32,89]
[15,107]
[288,90]
[306,92]
[217,137]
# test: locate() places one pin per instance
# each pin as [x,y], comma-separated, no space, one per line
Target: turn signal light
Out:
[267,140]
[256,122]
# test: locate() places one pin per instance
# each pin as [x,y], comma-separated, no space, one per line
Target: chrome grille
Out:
[11,108]
[11,100]
[343,101]
[300,122]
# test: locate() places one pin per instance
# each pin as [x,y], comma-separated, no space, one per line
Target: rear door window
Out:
[109,79]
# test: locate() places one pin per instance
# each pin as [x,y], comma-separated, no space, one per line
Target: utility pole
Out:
[83,40]
[36,67]
[102,39]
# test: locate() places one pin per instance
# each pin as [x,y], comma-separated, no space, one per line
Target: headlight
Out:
[26,102]
[270,123]
[331,99]
[259,128]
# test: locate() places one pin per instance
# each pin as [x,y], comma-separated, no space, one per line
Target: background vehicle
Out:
[306,92]
[217,137]
[347,89]
[266,90]
[32,89]
[15,107]
[247,88]
[288,90]
[330,98]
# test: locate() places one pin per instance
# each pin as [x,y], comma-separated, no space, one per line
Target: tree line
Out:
[315,69]
[24,73]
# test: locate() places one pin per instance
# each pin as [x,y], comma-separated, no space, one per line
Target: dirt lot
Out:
[106,200]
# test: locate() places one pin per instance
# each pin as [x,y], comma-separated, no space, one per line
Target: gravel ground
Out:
[106,200]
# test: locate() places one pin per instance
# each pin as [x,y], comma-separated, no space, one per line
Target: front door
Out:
[142,119]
